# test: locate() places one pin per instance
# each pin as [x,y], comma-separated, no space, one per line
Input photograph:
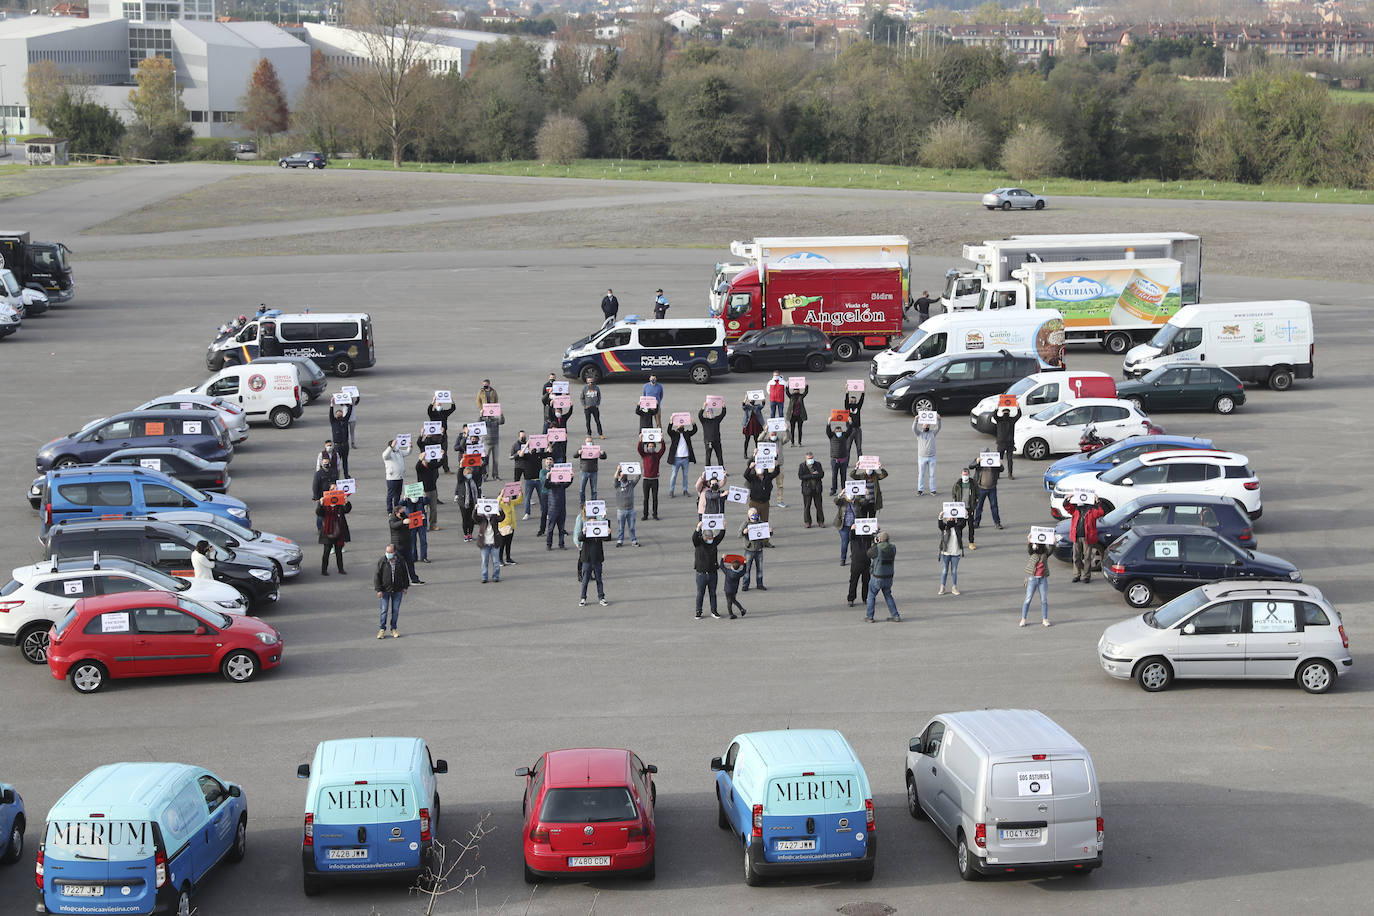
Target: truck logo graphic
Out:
[1074,289]
[973,340]
[803,257]
[1230,330]
[854,315]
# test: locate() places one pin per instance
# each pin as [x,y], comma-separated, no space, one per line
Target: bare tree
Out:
[392,84]
[449,858]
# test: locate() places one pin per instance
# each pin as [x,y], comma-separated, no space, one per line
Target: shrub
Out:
[953,143]
[1031,152]
[561,140]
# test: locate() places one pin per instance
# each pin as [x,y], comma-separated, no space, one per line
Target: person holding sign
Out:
[394,464]
[590,457]
[489,547]
[951,547]
[775,440]
[1005,418]
[647,410]
[509,502]
[1083,518]
[466,494]
[654,389]
[838,434]
[680,453]
[854,403]
[557,493]
[883,555]
[753,548]
[625,505]
[416,510]
[427,474]
[987,475]
[796,413]
[849,506]
[338,428]
[591,407]
[735,570]
[202,563]
[546,398]
[706,562]
[812,477]
[592,554]
[965,490]
[871,476]
[334,534]
[525,460]
[1037,580]
[398,524]
[650,456]
[711,413]
[925,428]
[324,480]
[863,531]
[752,423]
[760,488]
[710,495]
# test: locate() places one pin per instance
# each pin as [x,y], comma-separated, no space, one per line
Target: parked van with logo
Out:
[1043,389]
[637,347]
[1010,788]
[1039,330]
[371,808]
[1262,343]
[270,392]
[138,838]
[340,343]
[798,801]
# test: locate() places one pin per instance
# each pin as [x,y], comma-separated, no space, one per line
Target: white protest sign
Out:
[486,506]
[1042,535]
[630,469]
[1084,497]
[755,395]
[434,453]
[1272,617]
[776,424]
[403,441]
[590,451]
[190,427]
[954,510]
[348,484]
[596,528]
[865,526]
[854,384]
[681,419]
[758,531]
[1034,782]
[341,398]
[713,522]
[927,418]
[796,382]
[73,587]
[491,409]
[558,388]
[765,463]
[351,391]
[651,434]
[595,507]
[766,450]
[152,464]
[869,463]
[477,429]
[443,396]
[737,495]
[855,488]
[989,460]
[1165,549]
[713,472]
[432,428]
[114,623]
[472,448]
[561,473]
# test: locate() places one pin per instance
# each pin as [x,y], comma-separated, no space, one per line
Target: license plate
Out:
[347,854]
[1024,833]
[83,890]
[795,845]
[588,861]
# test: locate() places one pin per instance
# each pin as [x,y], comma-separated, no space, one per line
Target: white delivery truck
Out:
[1259,342]
[1041,331]
[994,260]
[814,251]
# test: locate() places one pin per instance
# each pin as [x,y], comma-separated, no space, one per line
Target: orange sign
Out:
[839,416]
[152,428]
[335,497]
[472,461]
[1006,400]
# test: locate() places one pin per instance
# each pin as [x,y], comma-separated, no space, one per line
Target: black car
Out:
[1220,513]
[313,380]
[190,469]
[790,347]
[959,381]
[1185,387]
[1151,560]
[308,159]
[164,546]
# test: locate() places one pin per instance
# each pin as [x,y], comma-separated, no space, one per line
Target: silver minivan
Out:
[1011,789]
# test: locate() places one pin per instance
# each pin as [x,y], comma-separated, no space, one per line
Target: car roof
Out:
[120,790]
[1209,454]
[1261,588]
[319,316]
[89,607]
[156,450]
[78,565]
[117,524]
[59,475]
[812,745]
[378,758]
[1146,531]
[1013,731]
[586,766]
[1150,500]
[1162,439]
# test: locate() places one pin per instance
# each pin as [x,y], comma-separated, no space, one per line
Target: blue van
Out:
[798,801]
[371,808]
[138,838]
[636,347]
[126,492]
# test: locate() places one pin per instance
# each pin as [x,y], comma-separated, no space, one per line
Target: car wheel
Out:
[88,676]
[343,367]
[991,208]
[700,374]
[1224,404]
[1316,676]
[281,162]
[311,886]
[1154,674]
[240,847]
[590,373]
[815,363]
[66,461]
[1037,449]
[239,667]
[922,403]
[846,349]
[722,821]
[1140,405]
[33,643]
[963,858]
[913,802]
[1006,205]
[1139,593]
[281,417]
[530,877]
[184,901]
[14,849]
[743,364]
[1039,205]
[1118,343]
[310,164]
[1281,380]
[751,875]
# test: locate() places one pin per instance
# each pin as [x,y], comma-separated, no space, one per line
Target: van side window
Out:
[933,345]
[695,337]
[213,790]
[155,494]
[1187,339]
[182,816]
[731,755]
[248,334]
[1048,394]
[297,330]
[337,330]
[109,493]
[224,387]
[933,738]
[614,339]
[656,337]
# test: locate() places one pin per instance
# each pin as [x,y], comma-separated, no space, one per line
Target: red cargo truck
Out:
[857,306]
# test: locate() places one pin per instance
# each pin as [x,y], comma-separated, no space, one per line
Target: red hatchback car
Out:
[588,811]
[149,634]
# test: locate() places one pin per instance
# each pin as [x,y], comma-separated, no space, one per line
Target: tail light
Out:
[1246,534]
[1252,484]
[1118,569]
[539,833]
[47,514]
[980,835]
[160,861]
[425,835]
[1345,640]
[637,832]
[1101,831]
[219,481]
[38,871]
[868,815]
[758,821]
[308,838]
[7,606]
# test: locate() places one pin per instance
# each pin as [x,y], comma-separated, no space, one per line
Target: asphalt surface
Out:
[1217,797]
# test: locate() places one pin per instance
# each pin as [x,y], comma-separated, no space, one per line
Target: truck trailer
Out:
[815,251]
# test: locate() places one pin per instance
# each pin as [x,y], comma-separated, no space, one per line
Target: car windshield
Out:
[1049,413]
[1022,386]
[1121,471]
[588,804]
[928,371]
[242,532]
[214,618]
[1165,336]
[1120,513]
[911,342]
[1171,613]
[89,426]
[160,579]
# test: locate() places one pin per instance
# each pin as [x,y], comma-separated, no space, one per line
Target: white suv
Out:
[1192,471]
[1057,429]
[40,595]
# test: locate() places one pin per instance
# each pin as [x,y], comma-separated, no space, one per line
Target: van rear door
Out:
[1020,825]
[94,863]
[366,826]
[1076,809]
[814,815]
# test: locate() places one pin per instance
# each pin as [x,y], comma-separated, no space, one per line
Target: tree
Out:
[44,86]
[264,107]
[562,140]
[953,144]
[701,116]
[391,86]
[504,102]
[87,126]
[1031,152]
[157,100]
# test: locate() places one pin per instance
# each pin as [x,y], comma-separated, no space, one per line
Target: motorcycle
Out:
[1090,441]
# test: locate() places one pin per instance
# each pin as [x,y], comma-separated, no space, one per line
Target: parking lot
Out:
[1217,797]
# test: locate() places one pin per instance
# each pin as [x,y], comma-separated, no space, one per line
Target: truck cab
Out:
[39,266]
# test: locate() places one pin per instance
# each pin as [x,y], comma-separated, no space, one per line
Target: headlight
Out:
[1295,576]
[294,556]
[267,639]
[231,605]
[1111,648]
[237,512]
[263,574]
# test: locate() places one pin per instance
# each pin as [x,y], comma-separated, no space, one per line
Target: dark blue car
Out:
[11,825]
[1220,513]
[203,436]
[1153,560]
[1110,456]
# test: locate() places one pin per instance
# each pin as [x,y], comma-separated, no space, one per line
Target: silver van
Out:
[1010,789]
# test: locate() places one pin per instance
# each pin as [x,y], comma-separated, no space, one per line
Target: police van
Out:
[635,347]
[339,342]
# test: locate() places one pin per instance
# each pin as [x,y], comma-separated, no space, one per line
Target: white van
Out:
[1259,342]
[270,391]
[1010,789]
[1040,330]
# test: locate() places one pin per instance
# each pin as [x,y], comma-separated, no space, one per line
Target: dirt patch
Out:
[20,183]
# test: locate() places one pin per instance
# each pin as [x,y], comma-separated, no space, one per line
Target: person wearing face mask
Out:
[468,491]
[848,508]
[796,413]
[492,440]
[558,507]
[427,475]
[760,489]
[324,478]
[854,403]
[327,454]
[394,465]
[591,407]
[705,562]
[590,455]
[776,440]
[751,425]
[681,454]
[625,485]
[925,453]
[753,551]
[440,414]
[710,418]
[654,389]
[390,581]
[399,526]
[883,556]
[338,428]
[966,491]
[334,534]
[812,477]
[489,546]
[710,495]
[838,434]
[777,395]
[592,555]
[650,458]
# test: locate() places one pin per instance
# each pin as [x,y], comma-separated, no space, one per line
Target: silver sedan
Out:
[1006,198]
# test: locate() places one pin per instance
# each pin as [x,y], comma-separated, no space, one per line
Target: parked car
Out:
[312,378]
[230,534]
[1185,387]
[190,469]
[1006,198]
[1220,513]
[231,415]
[121,491]
[1040,390]
[41,594]
[588,811]
[12,821]
[787,347]
[1194,471]
[1232,630]
[1153,560]
[958,382]
[1109,456]
[308,159]
[243,146]
[151,634]
[206,438]
[1057,429]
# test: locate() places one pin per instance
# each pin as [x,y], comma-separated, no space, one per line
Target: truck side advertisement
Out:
[1119,297]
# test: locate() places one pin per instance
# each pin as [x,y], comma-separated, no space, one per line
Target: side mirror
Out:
[1190,629]
[651,769]
[522,771]
[1128,482]
[201,631]
[303,771]
[915,746]
[717,764]
[7,797]
[235,792]
[440,766]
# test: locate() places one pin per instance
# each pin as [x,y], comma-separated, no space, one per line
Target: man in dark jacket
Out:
[468,491]
[558,511]
[861,567]
[710,433]
[1083,519]
[812,477]
[610,305]
[399,526]
[680,454]
[706,563]
[427,474]
[440,413]
[338,428]
[593,555]
[760,488]
[987,492]
[838,434]
[884,557]
[590,467]
[390,582]
[1005,418]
